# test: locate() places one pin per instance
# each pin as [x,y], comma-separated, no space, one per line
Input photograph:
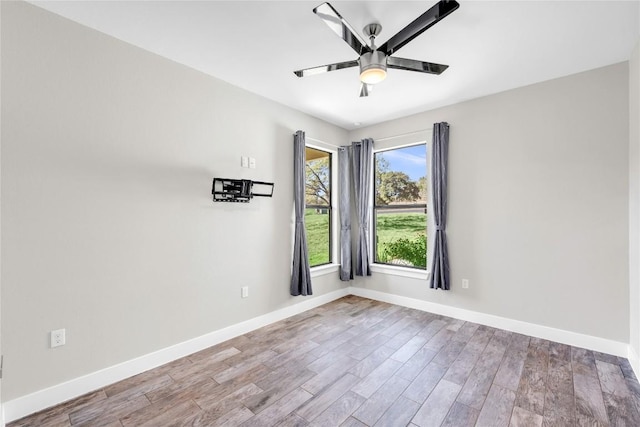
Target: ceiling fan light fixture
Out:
[373,67]
[373,75]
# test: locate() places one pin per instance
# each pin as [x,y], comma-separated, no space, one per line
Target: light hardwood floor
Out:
[358,362]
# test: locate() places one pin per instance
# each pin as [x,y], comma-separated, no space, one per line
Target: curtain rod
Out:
[403,135]
[321,141]
[379,139]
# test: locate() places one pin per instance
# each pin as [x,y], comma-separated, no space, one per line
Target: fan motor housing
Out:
[373,67]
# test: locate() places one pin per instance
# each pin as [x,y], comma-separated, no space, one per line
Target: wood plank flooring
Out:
[358,362]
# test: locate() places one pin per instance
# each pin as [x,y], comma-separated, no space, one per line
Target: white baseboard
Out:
[31,403]
[25,405]
[634,360]
[558,335]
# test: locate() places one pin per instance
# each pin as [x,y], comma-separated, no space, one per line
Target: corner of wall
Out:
[1,402]
[634,208]
[634,360]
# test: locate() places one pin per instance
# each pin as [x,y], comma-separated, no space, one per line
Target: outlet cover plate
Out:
[58,338]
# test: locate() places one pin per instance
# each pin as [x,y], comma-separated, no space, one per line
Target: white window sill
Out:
[323,270]
[400,271]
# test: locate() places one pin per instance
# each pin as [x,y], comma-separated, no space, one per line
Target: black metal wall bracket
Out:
[239,190]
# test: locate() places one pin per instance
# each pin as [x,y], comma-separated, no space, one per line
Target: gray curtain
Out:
[344,193]
[300,275]
[440,257]
[362,156]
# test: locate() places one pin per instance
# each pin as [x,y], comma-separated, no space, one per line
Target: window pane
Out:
[318,178]
[401,176]
[401,236]
[318,206]
[400,218]
[317,222]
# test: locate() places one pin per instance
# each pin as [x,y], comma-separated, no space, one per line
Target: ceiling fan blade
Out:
[325,68]
[413,65]
[419,25]
[365,89]
[336,22]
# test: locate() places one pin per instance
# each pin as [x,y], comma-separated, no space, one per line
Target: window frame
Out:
[391,143]
[330,266]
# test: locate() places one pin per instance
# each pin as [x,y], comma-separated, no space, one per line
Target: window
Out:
[317,216]
[400,206]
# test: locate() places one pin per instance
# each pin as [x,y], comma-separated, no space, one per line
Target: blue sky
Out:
[410,160]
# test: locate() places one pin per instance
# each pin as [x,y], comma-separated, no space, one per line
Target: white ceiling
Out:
[490,46]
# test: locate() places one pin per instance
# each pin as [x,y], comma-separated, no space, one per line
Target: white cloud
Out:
[398,155]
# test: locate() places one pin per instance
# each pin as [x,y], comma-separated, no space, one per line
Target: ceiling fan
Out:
[373,60]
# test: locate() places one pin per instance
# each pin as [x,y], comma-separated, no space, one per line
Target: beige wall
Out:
[108,228]
[634,200]
[538,204]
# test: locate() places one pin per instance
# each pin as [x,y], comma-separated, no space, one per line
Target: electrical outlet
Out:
[252,162]
[465,283]
[244,162]
[245,291]
[58,338]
